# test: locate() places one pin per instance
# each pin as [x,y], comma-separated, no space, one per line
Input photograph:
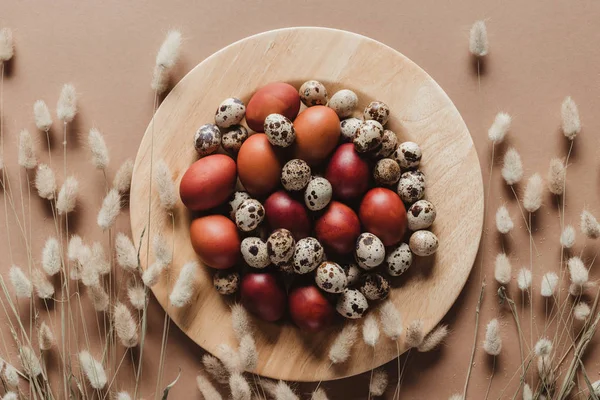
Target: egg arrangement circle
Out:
[319,220]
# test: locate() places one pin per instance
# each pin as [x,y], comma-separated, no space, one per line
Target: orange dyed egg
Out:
[208,182]
[317,133]
[216,240]
[274,98]
[259,167]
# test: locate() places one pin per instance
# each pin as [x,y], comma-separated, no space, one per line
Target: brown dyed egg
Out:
[338,228]
[317,134]
[278,98]
[258,166]
[383,214]
[263,295]
[310,309]
[216,240]
[283,211]
[208,182]
[348,173]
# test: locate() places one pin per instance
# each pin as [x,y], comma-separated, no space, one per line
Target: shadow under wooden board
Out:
[420,112]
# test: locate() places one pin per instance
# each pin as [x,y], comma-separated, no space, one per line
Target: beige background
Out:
[540,53]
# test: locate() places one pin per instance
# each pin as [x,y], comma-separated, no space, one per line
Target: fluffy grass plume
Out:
[543,347]
[492,344]
[162,250]
[571,124]
[557,174]
[67,196]
[524,279]
[45,182]
[499,127]
[111,207]
[98,297]
[66,108]
[549,284]
[379,383]
[10,396]
[457,397]
[502,269]
[122,180]
[589,225]
[152,273]
[391,320]
[370,330]
[532,198]
[99,260]
[230,358]
[527,392]
[98,148]
[340,349]
[248,353]
[125,326]
[414,333]
[478,40]
[240,389]
[215,368]
[51,261]
[167,192]
[11,376]
[578,272]
[21,284]
[504,222]
[512,170]
[45,337]
[581,311]
[184,286]
[209,392]
[137,296]
[545,370]
[93,370]
[123,396]
[167,56]
[319,394]
[125,252]
[567,237]
[283,391]
[42,116]
[26,157]
[7,47]
[240,321]
[30,362]
[43,287]
[434,338]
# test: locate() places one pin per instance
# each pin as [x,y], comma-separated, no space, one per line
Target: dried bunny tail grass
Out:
[99,260]
[549,284]
[248,353]
[414,333]
[512,170]
[11,375]
[493,342]
[45,337]
[319,394]
[230,358]
[30,362]
[98,297]
[589,225]
[45,182]
[152,273]
[581,311]
[162,251]
[370,330]
[379,383]
[391,320]
[67,196]
[7,47]
[51,261]
[165,59]
[88,273]
[111,207]
[27,158]
[504,222]
[576,290]
[93,370]
[571,124]
[209,392]
[240,389]
[545,370]
[342,345]
[43,287]
[122,180]
[457,396]
[66,108]
[20,282]
[567,237]
[184,286]
[74,248]
[98,148]
[126,253]
[215,368]
[543,347]
[478,40]
[557,174]
[10,396]
[434,339]
[41,115]
[502,269]
[524,279]
[123,396]
[578,272]
[283,391]
[527,392]
[165,186]
[125,326]
[240,321]
[137,296]
[532,198]
[499,127]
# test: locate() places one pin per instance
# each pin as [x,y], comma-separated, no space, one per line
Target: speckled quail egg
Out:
[233,139]
[313,93]
[230,112]
[389,143]
[411,186]
[421,215]
[331,277]
[249,215]
[370,251]
[295,174]
[236,201]
[399,260]
[207,139]
[374,287]
[353,273]
[308,254]
[408,155]
[226,281]
[423,243]
[279,130]
[318,194]
[255,252]
[280,245]
[368,136]
[386,171]
[352,304]
[348,128]
[378,111]
[343,102]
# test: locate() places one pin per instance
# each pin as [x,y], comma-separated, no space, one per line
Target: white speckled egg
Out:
[249,215]
[331,277]
[352,304]
[236,201]
[353,273]
[411,186]
[233,139]
[378,111]
[368,136]
[207,139]
[399,260]
[423,243]
[255,252]
[421,215]
[343,102]
[279,130]
[313,93]
[226,281]
[370,251]
[386,172]
[348,128]
[318,194]
[230,112]
[408,155]
[389,143]
[280,245]
[295,174]
[374,287]
[308,254]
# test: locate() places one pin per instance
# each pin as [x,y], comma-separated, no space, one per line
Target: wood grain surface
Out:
[421,112]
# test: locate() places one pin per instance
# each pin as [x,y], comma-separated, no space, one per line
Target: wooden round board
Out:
[420,112]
